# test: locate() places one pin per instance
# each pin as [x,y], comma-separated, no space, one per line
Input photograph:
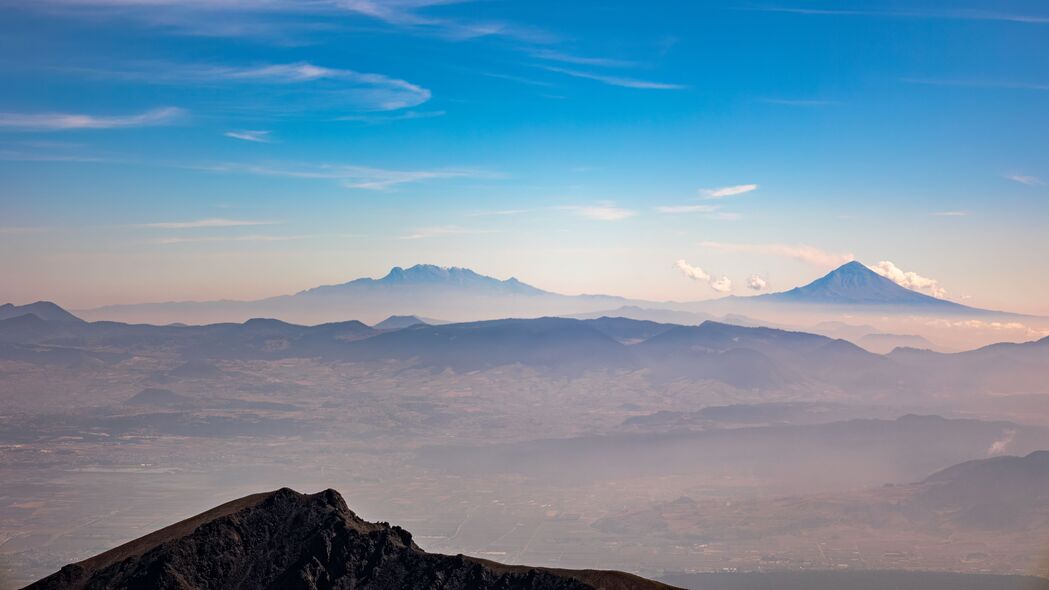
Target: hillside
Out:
[288,540]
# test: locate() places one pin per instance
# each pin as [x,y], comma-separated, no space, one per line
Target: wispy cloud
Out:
[350,176]
[411,14]
[66,121]
[910,280]
[199,223]
[719,284]
[933,14]
[1025,179]
[499,212]
[600,212]
[518,79]
[203,16]
[382,118]
[246,238]
[807,254]
[443,231]
[728,191]
[684,209]
[951,214]
[250,135]
[616,80]
[551,55]
[297,83]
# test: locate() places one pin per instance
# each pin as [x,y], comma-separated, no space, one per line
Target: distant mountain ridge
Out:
[743,357]
[429,275]
[422,290]
[459,294]
[44,310]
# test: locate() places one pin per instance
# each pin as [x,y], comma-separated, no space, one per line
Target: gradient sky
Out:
[155,150]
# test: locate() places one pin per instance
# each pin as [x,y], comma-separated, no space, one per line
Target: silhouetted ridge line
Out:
[288,540]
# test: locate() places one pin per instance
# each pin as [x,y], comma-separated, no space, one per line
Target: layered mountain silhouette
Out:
[428,275]
[752,358]
[44,310]
[460,294]
[397,322]
[423,290]
[287,540]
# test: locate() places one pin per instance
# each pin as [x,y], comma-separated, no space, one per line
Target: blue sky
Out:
[154,150]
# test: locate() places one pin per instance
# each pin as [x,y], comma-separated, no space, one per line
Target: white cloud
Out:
[199,223]
[728,191]
[719,284]
[604,62]
[499,212]
[404,116]
[443,232]
[756,283]
[951,213]
[62,121]
[910,280]
[601,212]
[807,254]
[1025,179]
[249,135]
[692,272]
[248,238]
[230,17]
[350,176]
[302,82]
[616,80]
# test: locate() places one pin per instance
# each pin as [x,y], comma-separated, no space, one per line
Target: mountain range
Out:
[287,540]
[460,294]
[743,357]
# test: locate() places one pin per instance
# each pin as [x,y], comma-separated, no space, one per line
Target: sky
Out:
[159,150]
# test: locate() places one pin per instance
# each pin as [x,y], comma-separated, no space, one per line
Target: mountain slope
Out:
[556,344]
[288,540]
[855,284]
[429,275]
[423,290]
[44,310]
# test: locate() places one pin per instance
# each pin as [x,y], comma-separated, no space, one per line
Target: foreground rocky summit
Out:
[288,540]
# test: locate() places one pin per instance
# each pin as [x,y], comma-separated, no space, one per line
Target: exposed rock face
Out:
[287,540]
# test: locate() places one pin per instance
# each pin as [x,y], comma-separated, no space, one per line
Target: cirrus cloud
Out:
[601,212]
[728,191]
[66,121]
